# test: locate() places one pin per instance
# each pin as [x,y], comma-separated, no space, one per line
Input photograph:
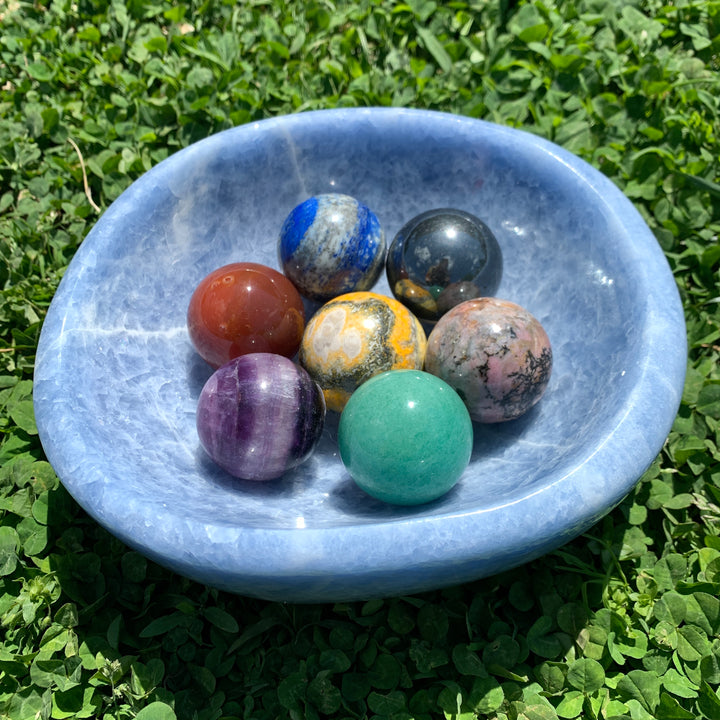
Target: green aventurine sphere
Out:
[405,437]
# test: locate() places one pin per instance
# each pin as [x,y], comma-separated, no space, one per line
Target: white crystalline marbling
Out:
[117,379]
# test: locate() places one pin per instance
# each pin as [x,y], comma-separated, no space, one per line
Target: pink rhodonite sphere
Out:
[495,354]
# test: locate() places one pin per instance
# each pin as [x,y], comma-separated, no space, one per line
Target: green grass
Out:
[622,623]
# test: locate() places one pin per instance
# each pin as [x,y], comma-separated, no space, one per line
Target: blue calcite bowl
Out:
[117,380]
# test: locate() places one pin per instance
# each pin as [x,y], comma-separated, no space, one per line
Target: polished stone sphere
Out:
[405,437]
[332,244]
[259,416]
[441,258]
[495,354]
[356,336]
[245,308]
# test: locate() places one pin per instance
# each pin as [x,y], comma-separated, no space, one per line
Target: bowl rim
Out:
[299,559]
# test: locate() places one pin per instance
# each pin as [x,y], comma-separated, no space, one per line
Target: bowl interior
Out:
[129,421]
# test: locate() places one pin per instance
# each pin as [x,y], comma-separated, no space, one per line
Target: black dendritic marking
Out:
[530,381]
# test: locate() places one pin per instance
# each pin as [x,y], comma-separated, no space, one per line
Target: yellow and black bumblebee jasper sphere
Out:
[356,336]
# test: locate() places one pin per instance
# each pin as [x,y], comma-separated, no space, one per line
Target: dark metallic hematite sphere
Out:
[441,258]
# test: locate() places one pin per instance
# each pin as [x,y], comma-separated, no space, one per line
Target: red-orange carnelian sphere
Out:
[245,308]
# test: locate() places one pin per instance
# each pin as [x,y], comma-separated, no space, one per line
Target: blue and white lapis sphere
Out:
[330,245]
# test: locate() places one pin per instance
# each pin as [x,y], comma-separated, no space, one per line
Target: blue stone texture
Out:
[330,245]
[117,380]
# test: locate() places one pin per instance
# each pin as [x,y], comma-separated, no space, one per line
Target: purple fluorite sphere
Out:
[259,416]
